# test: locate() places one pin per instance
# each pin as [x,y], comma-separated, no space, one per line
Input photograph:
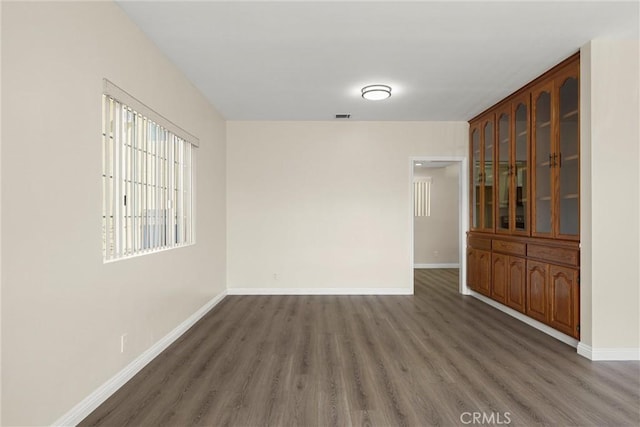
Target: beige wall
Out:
[610,207]
[436,237]
[63,310]
[586,261]
[1,217]
[324,205]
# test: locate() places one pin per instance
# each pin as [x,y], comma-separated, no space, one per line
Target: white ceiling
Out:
[302,60]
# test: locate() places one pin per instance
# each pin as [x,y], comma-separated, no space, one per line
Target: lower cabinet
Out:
[484,272]
[472,269]
[479,270]
[528,279]
[537,285]
[553,296]
[500,275]
[564,299]
[509,278]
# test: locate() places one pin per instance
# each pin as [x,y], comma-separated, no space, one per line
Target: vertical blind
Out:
[422,197]
[147,176]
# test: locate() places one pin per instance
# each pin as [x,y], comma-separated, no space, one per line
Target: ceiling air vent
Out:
[343,116]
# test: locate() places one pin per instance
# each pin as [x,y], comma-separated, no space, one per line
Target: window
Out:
[422,197]
[147,179]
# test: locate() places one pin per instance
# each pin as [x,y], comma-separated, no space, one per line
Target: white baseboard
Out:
[601,354]
[102,393]
[528,320]
[453,265]
[585,350]
[320,291]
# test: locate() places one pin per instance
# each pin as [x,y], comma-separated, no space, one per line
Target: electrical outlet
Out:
[275,276]
[123,342]
[436,253]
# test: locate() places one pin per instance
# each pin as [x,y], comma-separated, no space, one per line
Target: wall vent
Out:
[343,116]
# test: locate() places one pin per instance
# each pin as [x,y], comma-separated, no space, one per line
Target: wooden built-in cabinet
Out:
[537,290]
[512,167]
[564,299]
[516,279]
[508,271]
[556,157]
[553,297]
[479,266]
[482,173]
[499,277]
[523,244]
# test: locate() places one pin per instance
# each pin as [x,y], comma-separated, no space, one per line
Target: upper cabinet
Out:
[525,160]
[476,176]
[542,153]
[512,167]
[503,168]
[568,150]
[520,171]
[482,147]
[555,154]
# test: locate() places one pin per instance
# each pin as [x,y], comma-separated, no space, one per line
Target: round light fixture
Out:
[376,92]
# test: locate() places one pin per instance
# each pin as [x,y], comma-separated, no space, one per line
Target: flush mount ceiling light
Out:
[376,92]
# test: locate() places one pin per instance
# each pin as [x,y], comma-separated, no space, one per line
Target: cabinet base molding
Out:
[608,353]
[528,320]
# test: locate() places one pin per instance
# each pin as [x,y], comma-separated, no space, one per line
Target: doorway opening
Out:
[439,214]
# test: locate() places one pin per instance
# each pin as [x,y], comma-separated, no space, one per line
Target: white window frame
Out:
[148,179]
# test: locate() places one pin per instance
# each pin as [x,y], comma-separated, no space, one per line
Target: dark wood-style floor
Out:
[420,360]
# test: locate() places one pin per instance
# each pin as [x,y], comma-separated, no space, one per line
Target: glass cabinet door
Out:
[487,175]
[476,178]
[503,173]
[542,173]
[521,167]
[567,159]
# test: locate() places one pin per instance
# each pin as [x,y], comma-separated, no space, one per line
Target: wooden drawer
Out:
[566,256]
[514,248]
[478,243]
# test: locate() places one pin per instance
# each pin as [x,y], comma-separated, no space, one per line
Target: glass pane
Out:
[568,160]
[521,167]
[504,172]
[475,164]
[488,175]
[543,163]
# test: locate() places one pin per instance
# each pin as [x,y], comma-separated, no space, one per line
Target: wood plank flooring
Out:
[434,358]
